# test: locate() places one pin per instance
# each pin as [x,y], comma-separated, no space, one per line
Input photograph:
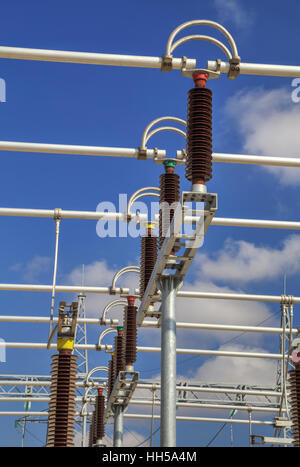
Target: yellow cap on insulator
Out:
[65,343]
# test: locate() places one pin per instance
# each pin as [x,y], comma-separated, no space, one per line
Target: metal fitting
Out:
[234,68]
[167,63]
[142,154]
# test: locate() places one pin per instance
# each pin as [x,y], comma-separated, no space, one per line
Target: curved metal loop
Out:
[203,22]
[110,306]
[139,194]
[154,122]
[203,38]
[123,271]
[105,333]
[164,128]
[88,389]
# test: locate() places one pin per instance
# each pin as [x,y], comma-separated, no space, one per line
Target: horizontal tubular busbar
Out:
[250,392]
[61,288]
[233,296]
[260,69]
[150,324]
[213,390]
[189,405]
[201,419]
[119,216]
[218,353]
[41,345]
[219,327]
[200,405]
[146,416]
[76,149]
[180,294]
[92,58]
[45,319]
[81,150]
[256,160]
[222,353]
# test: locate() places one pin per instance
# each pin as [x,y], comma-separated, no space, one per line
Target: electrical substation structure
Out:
[79,398]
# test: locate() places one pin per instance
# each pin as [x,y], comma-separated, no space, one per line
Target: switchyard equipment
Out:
[161,275]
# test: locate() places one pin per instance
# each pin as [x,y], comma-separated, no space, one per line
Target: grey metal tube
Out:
[92,58]
[118,427]
[261,69]
[168,362]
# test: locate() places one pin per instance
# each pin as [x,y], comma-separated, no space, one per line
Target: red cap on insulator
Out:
[130,300]
[100,391]
[200,79]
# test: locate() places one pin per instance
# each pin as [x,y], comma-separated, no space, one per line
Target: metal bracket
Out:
[282,422]
[179,264]
[167,63]
[234,68]
[122,392]
[259,440]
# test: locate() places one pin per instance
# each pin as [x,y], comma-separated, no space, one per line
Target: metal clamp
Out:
[287,300]
[57,214]
[234,68]
[167,63]
[142,154]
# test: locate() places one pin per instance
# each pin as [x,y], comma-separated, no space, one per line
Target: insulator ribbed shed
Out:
[62,400]
[99,417]
[130,332]
[199,135]
[119,354]
[294,379]
[148,259]
[169,197]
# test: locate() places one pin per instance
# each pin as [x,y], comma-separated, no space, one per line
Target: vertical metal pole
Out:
[118,427]
[168,286]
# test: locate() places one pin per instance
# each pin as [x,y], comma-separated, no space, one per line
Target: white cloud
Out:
[269,123]
[242,262]
[238,370]
[33,269]
[232,11]
[213,311]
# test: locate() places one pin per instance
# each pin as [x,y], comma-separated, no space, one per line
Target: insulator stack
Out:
[294,379]
[111,376]
[119,364]
[169,197]
[199,132]
[62,400]
[99,416]
[130,332]
[148,259]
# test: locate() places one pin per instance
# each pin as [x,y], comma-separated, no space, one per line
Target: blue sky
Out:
[110,106]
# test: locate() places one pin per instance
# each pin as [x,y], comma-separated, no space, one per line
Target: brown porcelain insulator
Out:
[99,417]
[294,379]
[119,354]
[199,135]
[111,375]
[169,196]
[130,334]
[62,400]
[148,260]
